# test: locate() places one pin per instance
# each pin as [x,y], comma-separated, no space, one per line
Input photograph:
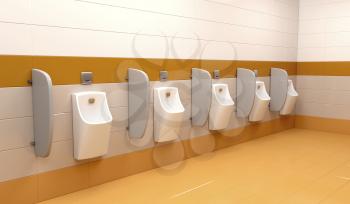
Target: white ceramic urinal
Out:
[168,114]
[291,99]
[261,103]
[221,107]
[92,122]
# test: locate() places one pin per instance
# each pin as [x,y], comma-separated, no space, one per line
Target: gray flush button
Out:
[86,78]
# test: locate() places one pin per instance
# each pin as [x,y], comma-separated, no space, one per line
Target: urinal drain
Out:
[91,100]
[167,94]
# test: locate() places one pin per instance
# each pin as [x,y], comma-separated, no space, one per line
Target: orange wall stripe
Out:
[324,68]
[16,70]
[323,124]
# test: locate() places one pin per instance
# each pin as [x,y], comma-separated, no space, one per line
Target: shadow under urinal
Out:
[237,126]
[203,146]
[169,157]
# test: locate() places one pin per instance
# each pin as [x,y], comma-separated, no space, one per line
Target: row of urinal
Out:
[222,105]
[262,100]
[92,118]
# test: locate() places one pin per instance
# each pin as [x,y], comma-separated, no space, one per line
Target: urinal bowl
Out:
[221,108]
[92,122]
[168,114]
[291,99]
[261,103]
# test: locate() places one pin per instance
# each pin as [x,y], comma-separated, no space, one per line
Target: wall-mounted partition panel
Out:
[42,112]
[201,96]
[138,102]
[246,84]
[278,88]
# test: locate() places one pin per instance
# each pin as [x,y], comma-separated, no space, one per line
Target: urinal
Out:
[168,114]
[92,122]
[221,107]
[291,99]
[261,103]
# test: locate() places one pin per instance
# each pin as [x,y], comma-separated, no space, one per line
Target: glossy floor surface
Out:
[292,167]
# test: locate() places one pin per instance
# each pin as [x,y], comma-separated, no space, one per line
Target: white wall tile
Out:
[128,28]
[17,163]
[15,11]
[15,39]
[120,118]
[17,102]
[324,28]
[61,156]
[16,133]
[324,96]
[62,127]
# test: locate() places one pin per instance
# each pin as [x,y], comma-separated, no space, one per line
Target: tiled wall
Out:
[264,30]
[16,126]
[324,37]
[196,29]
[324,30]
[324,96]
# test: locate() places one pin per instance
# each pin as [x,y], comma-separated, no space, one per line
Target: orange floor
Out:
[292,167]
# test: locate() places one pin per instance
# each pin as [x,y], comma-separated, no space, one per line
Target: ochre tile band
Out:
[15,70]
[323,124]
[55,183]
[324,68]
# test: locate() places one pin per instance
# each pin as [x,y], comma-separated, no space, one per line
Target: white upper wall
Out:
[324,30]
[197,29]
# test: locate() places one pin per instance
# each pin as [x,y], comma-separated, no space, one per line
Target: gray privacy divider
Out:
[138,102]
[278,88]
[201,96]
[246,82]
[42,112]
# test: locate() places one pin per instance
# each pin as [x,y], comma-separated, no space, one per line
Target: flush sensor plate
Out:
[86,78]
[163,75]
[216,74]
